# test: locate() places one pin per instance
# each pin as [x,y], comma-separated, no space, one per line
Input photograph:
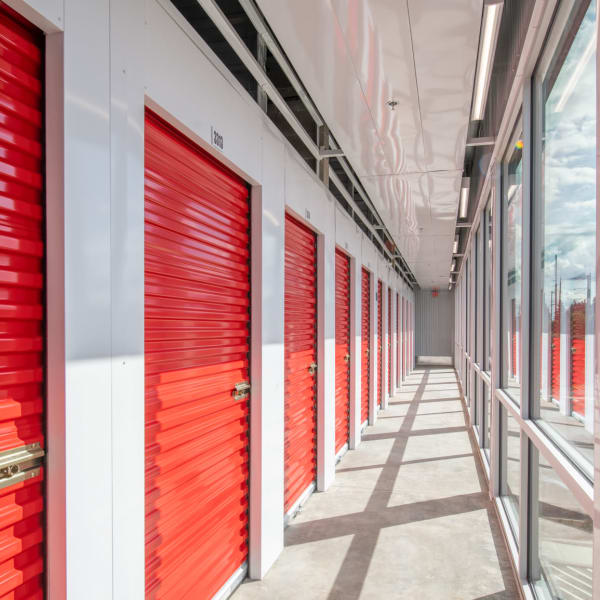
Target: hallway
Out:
[407,517]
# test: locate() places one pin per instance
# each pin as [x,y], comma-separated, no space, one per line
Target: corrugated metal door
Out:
[379,343]
[389,341]
[403,338]
[300,343]
[365,336]
[342,350]
[22,310]
[578,357]
[398,371]
[197,319]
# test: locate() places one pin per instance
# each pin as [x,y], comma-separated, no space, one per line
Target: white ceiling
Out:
[354,56]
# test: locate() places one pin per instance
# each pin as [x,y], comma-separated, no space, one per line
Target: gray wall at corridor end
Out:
[434,327]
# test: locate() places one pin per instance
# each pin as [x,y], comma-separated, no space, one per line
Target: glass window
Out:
[476,299]
[487,269]
[510,482]
[562,566]
[565,228]
[511,272]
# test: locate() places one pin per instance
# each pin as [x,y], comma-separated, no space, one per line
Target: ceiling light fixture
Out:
[463,206]
[492,12]
[453,267]
[455,244]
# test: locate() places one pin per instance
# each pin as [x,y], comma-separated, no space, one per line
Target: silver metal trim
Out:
[299,504]
[232,583]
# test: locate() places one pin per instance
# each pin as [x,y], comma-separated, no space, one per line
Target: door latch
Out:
[347,357]
[20,464]
[313,368]
[241,390]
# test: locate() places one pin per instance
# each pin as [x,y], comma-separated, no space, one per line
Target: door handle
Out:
[241,390]
[347,357]
[20,464]
[313,368]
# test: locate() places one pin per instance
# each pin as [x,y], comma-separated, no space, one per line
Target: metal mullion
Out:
[596,542]
[479,353]
[526,335]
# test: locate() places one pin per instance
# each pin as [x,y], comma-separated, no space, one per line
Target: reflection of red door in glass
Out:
[555,356]
[513,325]
[577,314]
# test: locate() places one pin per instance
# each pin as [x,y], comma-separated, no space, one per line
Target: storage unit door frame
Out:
[22,309]
[300,346]
[365,345]
[197,344]
[342,350]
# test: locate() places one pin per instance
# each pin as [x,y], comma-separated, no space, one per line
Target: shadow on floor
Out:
[408,517]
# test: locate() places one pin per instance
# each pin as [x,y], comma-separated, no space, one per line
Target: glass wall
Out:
[565,235]
[510,470]
[528,302]
[562,557]
[512,222]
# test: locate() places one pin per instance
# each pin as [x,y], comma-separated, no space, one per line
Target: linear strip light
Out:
[463,206]
[455,245]
[492,13]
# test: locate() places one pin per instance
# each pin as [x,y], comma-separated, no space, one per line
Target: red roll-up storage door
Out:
[578,358]
[300,360]
[379,343]
[403,338]
[365,333]
[342,350]
[389,341]
[22,308]
[398,372]
[197,320]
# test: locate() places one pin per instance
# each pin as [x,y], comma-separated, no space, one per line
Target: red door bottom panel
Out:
[300,343]
[197,320]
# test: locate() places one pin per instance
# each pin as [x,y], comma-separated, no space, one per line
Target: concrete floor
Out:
[407,517]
